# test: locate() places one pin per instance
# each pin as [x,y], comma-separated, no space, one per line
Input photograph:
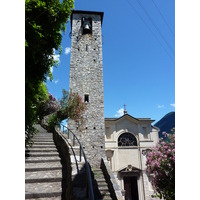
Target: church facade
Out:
[125,140]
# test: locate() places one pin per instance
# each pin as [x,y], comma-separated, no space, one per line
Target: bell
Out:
[87,27]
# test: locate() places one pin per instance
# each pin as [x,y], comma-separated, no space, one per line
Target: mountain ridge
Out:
[166,123]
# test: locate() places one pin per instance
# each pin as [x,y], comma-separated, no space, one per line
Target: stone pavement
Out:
[43,169]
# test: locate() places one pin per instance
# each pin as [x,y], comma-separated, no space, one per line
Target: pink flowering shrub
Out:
[76,108]
[69,106]
[72,107]
[160,164]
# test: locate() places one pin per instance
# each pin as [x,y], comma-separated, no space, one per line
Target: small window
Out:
[86,98]
[86,47]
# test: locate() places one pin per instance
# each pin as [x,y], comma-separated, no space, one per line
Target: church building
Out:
[120,141]
[126,138]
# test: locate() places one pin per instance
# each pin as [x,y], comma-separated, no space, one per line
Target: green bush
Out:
[52,121]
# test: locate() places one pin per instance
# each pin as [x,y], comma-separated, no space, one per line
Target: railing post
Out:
[80,153]
[73,140]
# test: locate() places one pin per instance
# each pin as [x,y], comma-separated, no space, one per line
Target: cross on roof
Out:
[124,106]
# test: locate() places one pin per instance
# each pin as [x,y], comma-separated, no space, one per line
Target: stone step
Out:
[42,169]
[106,197]
[42,159]
[41,154]
[99,180]
[102,184]
[33,149]
[41,134]
[103,188]
[40,128]
[43,146]
[43,137]
[43,165]
[97,171]
[98,176]
[44,142]
[41,190]
[46,198]
[105,192]
[43,176]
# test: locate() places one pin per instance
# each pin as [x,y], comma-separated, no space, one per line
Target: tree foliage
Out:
[160,164]
[44,22]
[32,106]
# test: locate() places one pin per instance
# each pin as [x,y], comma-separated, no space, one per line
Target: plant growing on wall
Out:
[160,162]
[71,106]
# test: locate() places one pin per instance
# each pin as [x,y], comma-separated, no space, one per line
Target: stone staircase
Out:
[43,169]
[100,187]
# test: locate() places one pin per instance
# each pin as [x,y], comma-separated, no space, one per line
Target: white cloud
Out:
[56,81]
[67,50]
[120,112]
[56,57]
[172,104]
[160,106]
[51,69]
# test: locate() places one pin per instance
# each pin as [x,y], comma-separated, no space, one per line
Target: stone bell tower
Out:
[86,78]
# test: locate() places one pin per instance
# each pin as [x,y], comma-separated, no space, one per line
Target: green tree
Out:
[44,22]
[33,112]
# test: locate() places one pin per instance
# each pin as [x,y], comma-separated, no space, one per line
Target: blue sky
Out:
[138,57]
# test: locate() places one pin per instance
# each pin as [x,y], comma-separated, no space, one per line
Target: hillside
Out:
[166,123]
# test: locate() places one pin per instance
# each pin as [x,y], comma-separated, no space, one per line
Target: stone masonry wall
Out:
[86,78]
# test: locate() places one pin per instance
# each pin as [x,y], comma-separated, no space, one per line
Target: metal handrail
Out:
[89,179]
